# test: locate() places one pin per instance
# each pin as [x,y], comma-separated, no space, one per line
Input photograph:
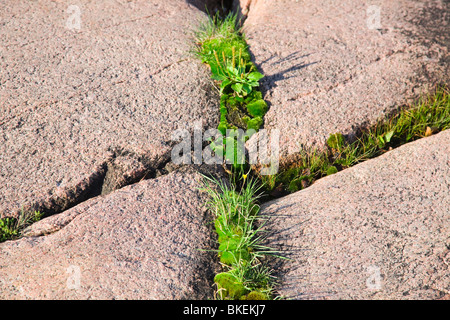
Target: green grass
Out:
[238,226]
[428,116]
[222,37]
[11,228]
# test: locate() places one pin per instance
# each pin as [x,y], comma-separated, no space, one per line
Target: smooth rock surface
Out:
[379,230]
[91,92]
[337,66]
[143,241]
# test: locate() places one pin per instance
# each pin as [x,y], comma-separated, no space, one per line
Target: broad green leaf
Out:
[232,70]
[218,77]
[237,87]
[255,76]
[246,88]
[225,83]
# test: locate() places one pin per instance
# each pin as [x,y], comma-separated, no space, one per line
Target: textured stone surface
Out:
[331,67]
[388,216]
[210,6]
[76,104]
[143,241]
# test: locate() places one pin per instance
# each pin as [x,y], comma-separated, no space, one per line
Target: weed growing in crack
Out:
[428,116]
[11,228]
[221,45]
[239,229]
[235,74]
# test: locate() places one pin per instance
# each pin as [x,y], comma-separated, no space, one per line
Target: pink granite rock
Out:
[379,230]
[146,241]
[337,66]
[90,94]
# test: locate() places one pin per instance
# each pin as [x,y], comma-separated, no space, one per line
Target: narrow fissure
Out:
[427,116]
[123,168]
[234,205]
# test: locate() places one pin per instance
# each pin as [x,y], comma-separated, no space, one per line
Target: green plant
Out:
[237,75]
[336,141]
[238,227]
[257,108]
[219,35]
[11,228]
[8,229]
[229,286]
[427,116]
[221,44]
[331,170]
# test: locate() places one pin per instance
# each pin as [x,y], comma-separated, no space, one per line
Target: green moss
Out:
[331,170]
[254,123]
[229,286]
[236,116]
[223,126]
[257,108]
[255,295]
[254,95]
[336,141]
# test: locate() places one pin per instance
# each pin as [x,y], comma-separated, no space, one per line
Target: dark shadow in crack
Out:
[211,7]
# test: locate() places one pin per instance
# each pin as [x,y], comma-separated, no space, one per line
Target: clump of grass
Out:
[241,253]
[218,37]
[428,116]
[11,228]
